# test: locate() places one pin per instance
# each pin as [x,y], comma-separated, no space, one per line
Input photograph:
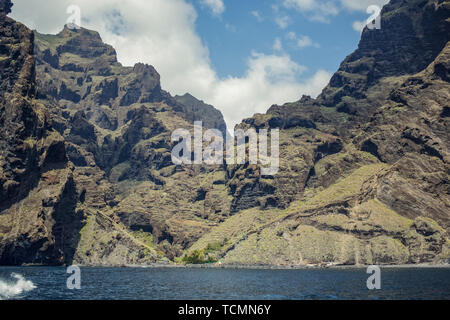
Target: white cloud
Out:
[257,15]
[305,41]
[216,6]
[302,5]
[282,21]
[316,10]
[359,25]
[277,45]
[269,78]
[162,33]
[291,36]
[362,5]
[230,27]
[368,7]
[301,41]
[323,10]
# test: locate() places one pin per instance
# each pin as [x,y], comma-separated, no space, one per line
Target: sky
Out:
[242,56]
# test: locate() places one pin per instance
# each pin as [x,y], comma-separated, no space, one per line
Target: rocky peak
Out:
[96,75]
[5,7]
[386,108]
[412,34]
[363,173]
[211,117]
[95,98]
[68,32]
[85,43]
[36,184]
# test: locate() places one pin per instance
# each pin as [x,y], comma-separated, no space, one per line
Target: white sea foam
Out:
[13,289]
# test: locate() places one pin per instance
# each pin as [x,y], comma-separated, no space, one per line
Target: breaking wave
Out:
[13,289]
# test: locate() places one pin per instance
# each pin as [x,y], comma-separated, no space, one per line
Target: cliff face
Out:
[211,117]
[79,138]
[364,174]
[117,123]
[86,174]
[38,220]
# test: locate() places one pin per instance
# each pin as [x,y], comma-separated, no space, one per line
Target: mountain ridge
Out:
[374,149]
[364,168]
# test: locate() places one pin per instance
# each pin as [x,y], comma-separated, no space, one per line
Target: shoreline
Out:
[307,267]
[249,267]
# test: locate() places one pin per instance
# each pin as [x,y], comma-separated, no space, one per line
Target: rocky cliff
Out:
[81,135]
[210,116]
[364,174]
[86,172]
[39,222]
[117,123]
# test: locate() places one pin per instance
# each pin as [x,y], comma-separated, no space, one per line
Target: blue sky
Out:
[242,56]
[250,25]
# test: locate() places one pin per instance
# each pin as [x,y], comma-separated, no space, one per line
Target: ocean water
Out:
[50,283]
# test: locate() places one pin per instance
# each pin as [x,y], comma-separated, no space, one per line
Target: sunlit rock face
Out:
[86,174]
[365,166]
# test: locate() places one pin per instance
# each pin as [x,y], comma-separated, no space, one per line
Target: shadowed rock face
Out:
[5,7]
[414,33]
[107,107]
[397,114]
[86,172]
[38,220]
[117,123]
[201,111]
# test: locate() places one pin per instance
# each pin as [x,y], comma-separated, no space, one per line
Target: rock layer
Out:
[39,222]
[364,167]
[86,174]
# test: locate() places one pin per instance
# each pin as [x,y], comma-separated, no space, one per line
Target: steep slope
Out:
[45,215]
[212,117]
[364,174]
[86,174]
[59,150]
[117,123]
[39,222]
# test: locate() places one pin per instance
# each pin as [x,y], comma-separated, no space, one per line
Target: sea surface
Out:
[50,283]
